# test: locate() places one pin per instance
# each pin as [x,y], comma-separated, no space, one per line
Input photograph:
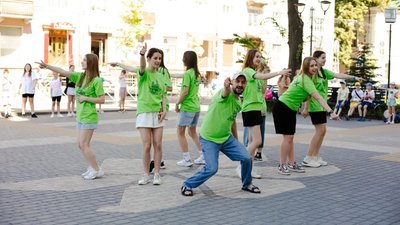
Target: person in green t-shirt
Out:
[188,108]
[253,100]
[89,92]
[218,133]
[317,112]
[285,110]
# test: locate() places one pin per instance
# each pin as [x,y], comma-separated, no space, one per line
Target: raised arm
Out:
[143,58]
[62,72]
[266,76]
[227,87]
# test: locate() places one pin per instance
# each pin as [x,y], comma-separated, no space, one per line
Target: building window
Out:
[254,16]
[170,53]
[10,39]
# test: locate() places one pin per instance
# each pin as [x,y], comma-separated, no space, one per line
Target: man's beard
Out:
[238,91]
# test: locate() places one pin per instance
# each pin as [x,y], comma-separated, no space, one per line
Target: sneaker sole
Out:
[283,173]
[308,165]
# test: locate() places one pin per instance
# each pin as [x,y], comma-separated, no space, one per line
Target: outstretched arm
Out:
[125,67]
[324,104]
[62,72]
[266,76]
[143,58]
[346,76]
[227,87]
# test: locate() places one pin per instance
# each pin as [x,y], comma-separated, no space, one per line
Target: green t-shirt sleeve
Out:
[309,86]
[249,72]
[329,74]
[74,77]
[186,79]
[98,86]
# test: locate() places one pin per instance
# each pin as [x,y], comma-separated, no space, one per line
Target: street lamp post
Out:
[390,17]
[300,8]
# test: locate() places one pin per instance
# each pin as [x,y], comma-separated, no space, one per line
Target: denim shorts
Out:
[86,126]
[391,102]
[188,119]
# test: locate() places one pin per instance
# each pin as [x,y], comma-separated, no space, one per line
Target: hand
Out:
[305,113]
[227,82]
[177,108]
[267,69]
[113,64]
[334,116]
[144,49]
[41,64]
[286,72]
[360,79]
[81,98]
[161,116]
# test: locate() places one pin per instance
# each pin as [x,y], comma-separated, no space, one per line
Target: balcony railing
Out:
[16,9]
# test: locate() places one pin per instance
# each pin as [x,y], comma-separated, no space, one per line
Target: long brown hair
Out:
[92,70]
[305,68]
[190,61]
[249,59]
[30,70]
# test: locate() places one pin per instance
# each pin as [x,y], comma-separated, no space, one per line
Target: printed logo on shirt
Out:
[155,88]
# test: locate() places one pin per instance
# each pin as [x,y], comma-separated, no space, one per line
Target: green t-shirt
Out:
[221,114]
[191,103]
[151,89]
[298,91]
[253,96]
[86,111]
[321,84]
[168,83]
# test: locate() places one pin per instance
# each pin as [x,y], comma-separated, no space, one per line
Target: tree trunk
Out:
[295,37]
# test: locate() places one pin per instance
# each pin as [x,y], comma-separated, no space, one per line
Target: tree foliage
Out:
[349,17]
[135,28]
[363,65]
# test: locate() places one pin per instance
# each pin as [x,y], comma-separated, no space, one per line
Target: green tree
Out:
[246,42]
[364,65]
[135,29]
[349,17]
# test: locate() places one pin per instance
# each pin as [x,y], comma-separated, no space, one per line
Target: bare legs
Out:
[71,104]
[287,150]
[84,139]
[151,136]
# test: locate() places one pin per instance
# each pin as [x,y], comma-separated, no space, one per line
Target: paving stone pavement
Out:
[40,183]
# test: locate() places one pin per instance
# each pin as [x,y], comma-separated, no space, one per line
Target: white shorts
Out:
[70,91]
[149,119]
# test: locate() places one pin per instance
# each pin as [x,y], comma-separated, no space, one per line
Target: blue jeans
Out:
[246,134]
[231,148]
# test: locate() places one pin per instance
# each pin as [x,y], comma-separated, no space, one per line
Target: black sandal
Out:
[186,191]
[252,189]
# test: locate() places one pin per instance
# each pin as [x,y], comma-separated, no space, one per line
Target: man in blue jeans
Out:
[218,133]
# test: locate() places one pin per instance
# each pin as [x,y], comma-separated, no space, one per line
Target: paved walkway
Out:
[40,181]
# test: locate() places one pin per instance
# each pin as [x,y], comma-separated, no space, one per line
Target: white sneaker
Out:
[87,171]
[73,114]
[310,162]
[156,179]
[69,114]
[52,115]
[200,160]
[239,171]
[59,115]
[321,161]
[93,174]
[145,180]
[254,174]
[186,163]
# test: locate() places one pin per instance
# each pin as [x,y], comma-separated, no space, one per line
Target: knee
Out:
[212,169]
[192,132]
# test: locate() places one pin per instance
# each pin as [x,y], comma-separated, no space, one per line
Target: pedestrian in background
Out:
[367,102]
[356,96]
[343,95]
[27,88]
[6,93]
[70,92]
[188,109]
[393,94]
[317,112]
[253,100]
[150,111]
[122,90]
[285,110]
[225,105]
[56,93]
[89,92]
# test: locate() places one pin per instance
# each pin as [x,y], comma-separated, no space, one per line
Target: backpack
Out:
[268,94]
